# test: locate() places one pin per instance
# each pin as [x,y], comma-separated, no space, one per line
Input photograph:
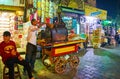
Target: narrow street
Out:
[102,63]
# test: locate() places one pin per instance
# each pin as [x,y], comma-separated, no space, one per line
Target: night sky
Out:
[109,5]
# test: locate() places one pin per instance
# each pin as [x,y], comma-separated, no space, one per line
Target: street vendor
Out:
[31,47]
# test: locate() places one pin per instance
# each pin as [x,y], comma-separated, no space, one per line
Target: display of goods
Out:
[96,33]
[96,40]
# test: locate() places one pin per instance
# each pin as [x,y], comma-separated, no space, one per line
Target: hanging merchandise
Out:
[39,8]
[36,15]
[35,3]
[46,8]
[43,11]
[47,20]
[51,10]
[16,23]
[31,16]
[96,38]
[55,8]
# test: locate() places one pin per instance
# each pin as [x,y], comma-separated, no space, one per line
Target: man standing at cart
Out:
[31,47]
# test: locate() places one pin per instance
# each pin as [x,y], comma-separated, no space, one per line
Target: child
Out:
[10,56]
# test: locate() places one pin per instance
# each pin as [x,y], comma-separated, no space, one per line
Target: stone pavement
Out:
[102,63]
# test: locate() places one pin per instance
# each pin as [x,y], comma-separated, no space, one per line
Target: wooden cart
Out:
[59,55]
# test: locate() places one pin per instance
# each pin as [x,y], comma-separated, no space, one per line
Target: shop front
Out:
[11,19]
[71,18]
[92,24]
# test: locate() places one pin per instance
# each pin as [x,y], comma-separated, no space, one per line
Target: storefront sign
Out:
[98,13]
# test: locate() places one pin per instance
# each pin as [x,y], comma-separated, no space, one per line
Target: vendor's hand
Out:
[39,42]
[20,58]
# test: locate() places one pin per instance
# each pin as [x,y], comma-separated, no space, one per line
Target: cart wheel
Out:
[45,60]
[74,61]
[60,65]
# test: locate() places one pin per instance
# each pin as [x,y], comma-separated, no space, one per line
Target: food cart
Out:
[59,54]
[57,50]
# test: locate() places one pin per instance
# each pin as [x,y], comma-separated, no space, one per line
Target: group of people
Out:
[11,56]
[110,40]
